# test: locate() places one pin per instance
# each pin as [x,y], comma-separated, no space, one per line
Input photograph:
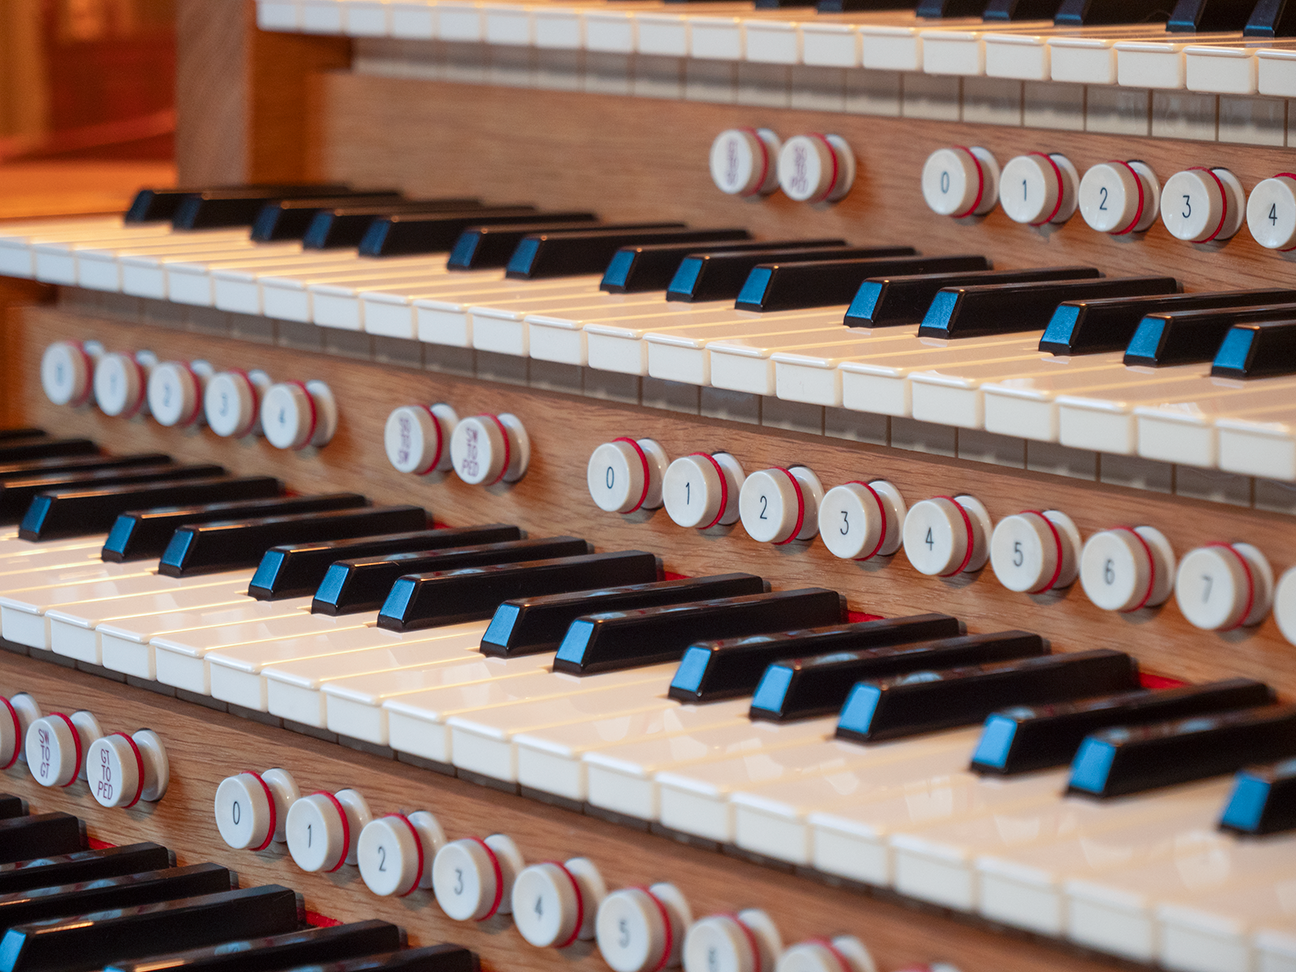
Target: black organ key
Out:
[1026,738]
[205,548]
[927,701]
[781,4]
[1120,761]
[1272,18]
[363,583]
[87,865]
[17,493]
[1201,16]
[1004,10]
[733,667]
[822,283]
[74,464]
[274,952]
[9,435]
[447,597]
[613,640]
[88,942]
[567,254]
[1094,13]
[22,450]
[1004,308]
[1263,800]
[637,269]
[430,958]
[157,205]
[346,226]
[1257,350]
[144,534]
[800,688]
[950,8]
[888,301]
[721,275]
[1108,324]
[528,626]
[852,6]
[11,806]
[40,835]
[298,569]
[1185,337]
[410,234]
[288,219]
[100,894]
[483,247]
[223,208]
[74,512]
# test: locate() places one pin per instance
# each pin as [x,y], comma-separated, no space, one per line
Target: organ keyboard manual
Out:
[650,484]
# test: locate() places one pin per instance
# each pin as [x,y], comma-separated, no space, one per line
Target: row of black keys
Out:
[128,909]
[1244,333]
[790,650]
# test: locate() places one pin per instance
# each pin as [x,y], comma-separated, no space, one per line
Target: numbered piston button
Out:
[744,161]
[1271,212]
[845,953]
[176,390]
[297,415]
[120,383]
[123,770]
[1120,197]
[642,929]
[947,535]
[490,449]
[626,475]
[324,828]
[232,402]
[417,438]
[395,852]
[780,505]
[1038,189]
[816,168]
[22,710]
[1222,586]
[859,521]
[1034,551]
[1199,205]
[701,490]
[960,181]
[555,905]
[746,942]
[252,808]
[1127,568]
[67,371]
[471,877]
[56,747]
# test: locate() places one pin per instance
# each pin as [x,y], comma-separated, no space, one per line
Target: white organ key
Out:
[554,905]
[1217,929]
[145,275]
[252,808]
[324,828]
[288,297]
[19,239]
[338,305]
[136,269]
[795,364]
[240,288]
[684,354]
[123,770]
[55,261]
[1127,568]
[395,852]
[56,746]
[859,521]
[1120,197]
[471,877]
[447,318]
[1200,204]
[961,182]
[1039,189]
[193,281]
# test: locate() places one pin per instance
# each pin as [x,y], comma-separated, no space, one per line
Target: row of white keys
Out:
[1235,929]
[287,296]
[194,281]
[108,266]
[338,305]
[55,260]
[240,289]
[19,239]
[145,275]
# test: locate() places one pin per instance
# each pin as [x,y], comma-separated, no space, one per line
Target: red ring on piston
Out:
[346,827]
[314,415]
[971,537]
[1057,171]
[800,520]
[643,458]
[18,733]
[1223,200]
[724,487]
[1147,548]
[832,154]
[274,813]
[418,845]
[1057,543]
[580,904]
[1138,181]
[76,738]
[980,183]
[499,879]
[139,765]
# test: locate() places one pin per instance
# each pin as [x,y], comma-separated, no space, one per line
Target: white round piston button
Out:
[295,415]
[642,929]
[324,828]
[816,168]
[120,382]
[122,770]
[1127,568]
[947,535]
[22,710]
[961,181]
[859,521]
[1199,205]
[780,505]
[176,390]
[232,402]
[395,852]
[417,438]
[490,449]
[1034,551]
[744,161]
[1038,189]
[701,490]
[471,877]
[56,747]
[845,953]
[626,474]
[252,808]
[746,942]
[1284,607]
[67,373]
[1271,212]
[1222,586]
[1120,197]
[554,905]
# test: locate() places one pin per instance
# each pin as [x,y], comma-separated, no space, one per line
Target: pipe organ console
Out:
[640,484]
